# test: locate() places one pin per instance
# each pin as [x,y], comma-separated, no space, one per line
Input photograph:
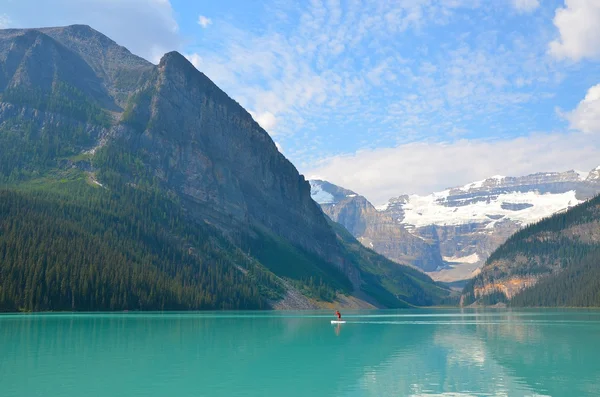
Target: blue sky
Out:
[383,97]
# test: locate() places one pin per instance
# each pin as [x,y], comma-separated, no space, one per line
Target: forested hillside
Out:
[94,250]
[555,262]
[577,286]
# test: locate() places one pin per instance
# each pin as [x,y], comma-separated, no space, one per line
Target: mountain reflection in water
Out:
[376,353]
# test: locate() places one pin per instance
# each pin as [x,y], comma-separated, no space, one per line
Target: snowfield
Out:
[430,210]
[473,258]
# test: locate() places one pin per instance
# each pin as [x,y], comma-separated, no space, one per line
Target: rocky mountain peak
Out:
[96,48]
[594,175]
[80,32]
[208,148]
[175,59]
[120,71]
[324,192]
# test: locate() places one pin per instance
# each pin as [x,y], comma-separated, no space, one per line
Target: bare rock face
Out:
[375,229]
[509,287]
[209,150]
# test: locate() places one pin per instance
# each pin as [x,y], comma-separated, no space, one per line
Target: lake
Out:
[376,353]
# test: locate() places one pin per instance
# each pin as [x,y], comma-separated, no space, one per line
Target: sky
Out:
[384,97]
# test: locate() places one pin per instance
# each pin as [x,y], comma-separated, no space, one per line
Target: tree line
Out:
[88,250]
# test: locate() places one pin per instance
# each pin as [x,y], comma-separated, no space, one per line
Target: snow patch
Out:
[473,185]
[473,258]
[443,194]
[582,175]
[491,225]
[382,207]
[319,195]
[351,195]
[430,210]
[479,184]
[593,175]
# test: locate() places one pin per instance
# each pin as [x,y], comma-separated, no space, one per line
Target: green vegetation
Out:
[576,286]
[69,245]
[65,123]
[62,99]
[31,146]
[312,275]
[136,114]
[390,283]
[81,249]
[560,250]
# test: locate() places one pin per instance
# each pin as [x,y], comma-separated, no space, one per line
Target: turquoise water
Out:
[377,353]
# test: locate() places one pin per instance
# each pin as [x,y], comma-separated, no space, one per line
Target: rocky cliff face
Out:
[208,149]
[451,233]
[374,229]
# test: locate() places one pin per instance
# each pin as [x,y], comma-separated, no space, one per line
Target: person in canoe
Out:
[338,314]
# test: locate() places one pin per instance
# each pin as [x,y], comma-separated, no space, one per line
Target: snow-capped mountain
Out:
[459,227]
[523,200]
[593,175]
[324,192]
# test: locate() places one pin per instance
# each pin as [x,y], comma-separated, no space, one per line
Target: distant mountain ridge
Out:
[208,204]
[452,232]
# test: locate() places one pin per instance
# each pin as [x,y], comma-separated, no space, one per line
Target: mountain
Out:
[551,263]
[128,185]
[375,229]
[452,232]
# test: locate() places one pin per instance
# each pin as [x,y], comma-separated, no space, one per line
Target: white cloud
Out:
[146,27]
[195,59]
[306,69]
[586,116]
[422,168]
[279,147]
[4,21]
[204,21]
[578,24]
[525,6]
[266,120]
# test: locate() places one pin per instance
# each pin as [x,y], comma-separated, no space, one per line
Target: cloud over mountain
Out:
[586,117]
[424,167]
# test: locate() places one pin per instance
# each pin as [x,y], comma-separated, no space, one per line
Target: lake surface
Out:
[377,353]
